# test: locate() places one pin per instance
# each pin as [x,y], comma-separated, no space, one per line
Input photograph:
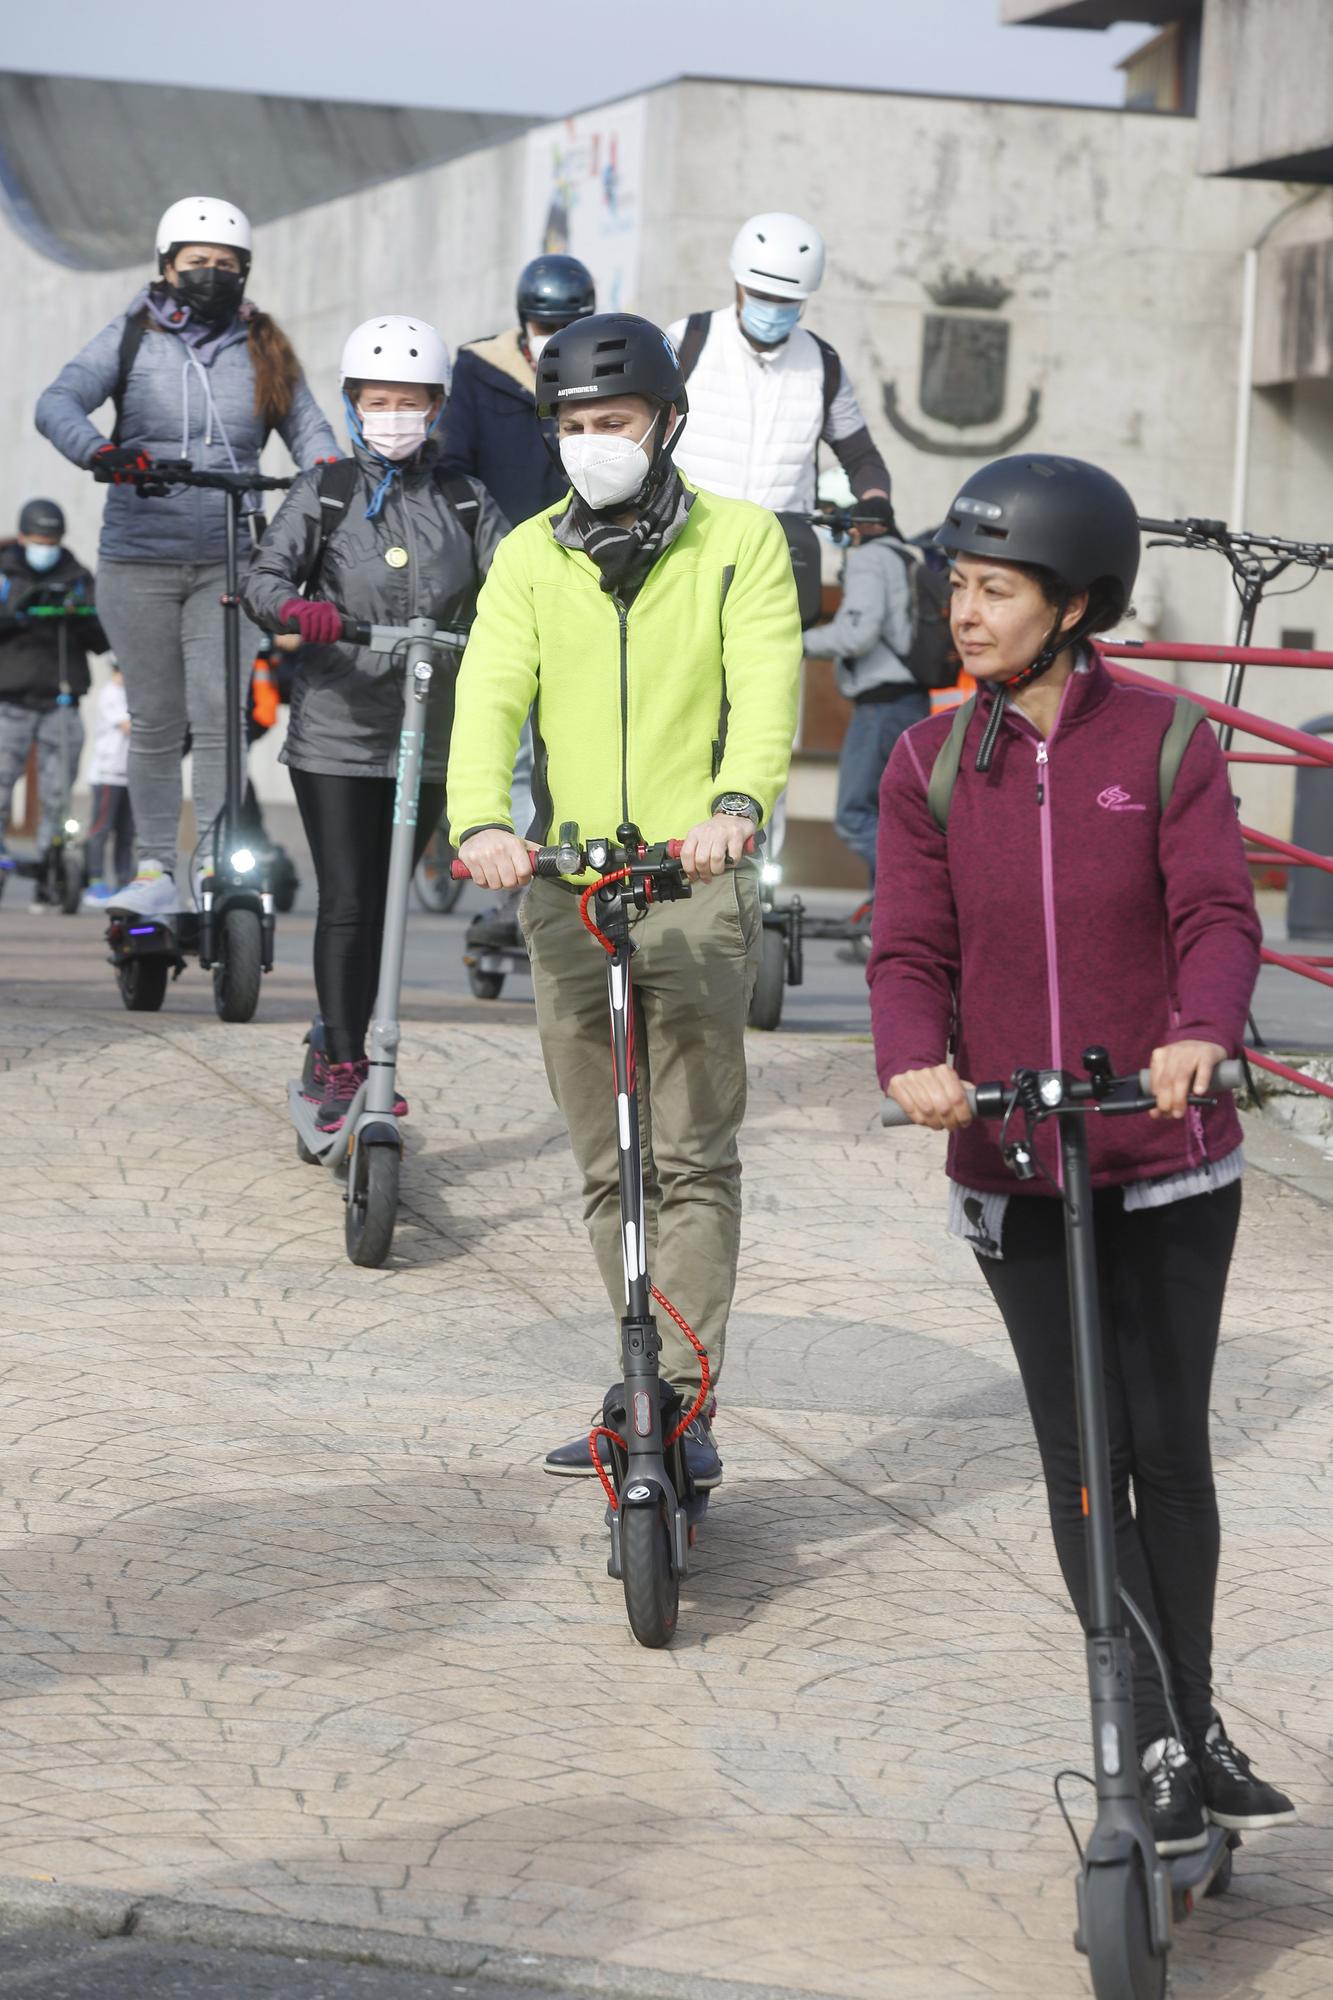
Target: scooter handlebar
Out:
[1228,1076]
[389,638]
[548,860]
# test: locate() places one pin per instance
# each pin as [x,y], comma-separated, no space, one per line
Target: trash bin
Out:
[1310,890]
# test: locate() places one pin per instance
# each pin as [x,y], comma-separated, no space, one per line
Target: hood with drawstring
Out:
[190,394]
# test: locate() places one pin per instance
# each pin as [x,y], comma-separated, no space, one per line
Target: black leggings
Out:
[349,825]
[1163,1272]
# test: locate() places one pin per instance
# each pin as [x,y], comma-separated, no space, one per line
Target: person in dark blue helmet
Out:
[490,430]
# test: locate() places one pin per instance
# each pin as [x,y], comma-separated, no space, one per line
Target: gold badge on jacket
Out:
[396,557]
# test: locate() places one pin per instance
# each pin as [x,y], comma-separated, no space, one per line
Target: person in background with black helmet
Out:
[491,433]
[656,628]
[36,569]
[1044,901]
[195,371]
[490,430]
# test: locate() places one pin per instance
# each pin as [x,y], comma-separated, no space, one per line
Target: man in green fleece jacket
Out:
[656,628]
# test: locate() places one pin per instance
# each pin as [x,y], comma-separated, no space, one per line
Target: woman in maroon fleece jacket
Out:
[1057,907]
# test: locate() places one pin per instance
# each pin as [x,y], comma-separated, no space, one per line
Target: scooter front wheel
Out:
[1117,1935]
[652,1588]
[240,966]
[771,982]
[372,1203]
[71,882]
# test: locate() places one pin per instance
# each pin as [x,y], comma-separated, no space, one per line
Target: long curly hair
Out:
[277,370]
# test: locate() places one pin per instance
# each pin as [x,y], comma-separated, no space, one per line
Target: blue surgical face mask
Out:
[767,321]
[42,555]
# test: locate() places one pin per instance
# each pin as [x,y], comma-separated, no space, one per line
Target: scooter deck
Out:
[331,1148]
[1192,1875]
[130,935]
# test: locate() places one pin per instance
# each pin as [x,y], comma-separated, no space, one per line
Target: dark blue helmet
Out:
[553,290]
[43,517]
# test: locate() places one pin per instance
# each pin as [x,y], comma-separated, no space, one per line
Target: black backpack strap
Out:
[459,491]
[337,484]
[131,340]
[944,775]
[692,342]
[1186,715]
[832,373]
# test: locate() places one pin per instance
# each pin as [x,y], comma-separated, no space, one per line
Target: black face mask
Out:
[212,295]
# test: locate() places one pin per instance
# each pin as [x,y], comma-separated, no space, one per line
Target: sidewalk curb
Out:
[108,1913]
[1279,1152]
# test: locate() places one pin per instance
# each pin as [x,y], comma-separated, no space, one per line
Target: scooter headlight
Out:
[771,873]
[71,826]
[243,861]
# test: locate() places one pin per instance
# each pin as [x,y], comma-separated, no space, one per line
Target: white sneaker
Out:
[152,893]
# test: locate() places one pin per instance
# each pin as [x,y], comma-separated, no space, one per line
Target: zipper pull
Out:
[1042,761]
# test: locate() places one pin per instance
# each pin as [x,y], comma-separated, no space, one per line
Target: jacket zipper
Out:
[622,613]
[1048,896]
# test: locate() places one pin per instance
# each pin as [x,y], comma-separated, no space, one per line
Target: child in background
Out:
[108,774]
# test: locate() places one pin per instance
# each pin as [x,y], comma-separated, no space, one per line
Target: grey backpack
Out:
[1185,718]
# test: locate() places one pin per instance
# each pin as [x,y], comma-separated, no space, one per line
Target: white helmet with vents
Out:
[396,349]
[778,254]
[204,218]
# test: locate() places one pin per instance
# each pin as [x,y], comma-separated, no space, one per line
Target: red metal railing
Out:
[1298,748]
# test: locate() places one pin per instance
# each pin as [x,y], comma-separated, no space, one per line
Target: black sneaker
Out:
[574,1460]
[1173,1797]
[1232,1794]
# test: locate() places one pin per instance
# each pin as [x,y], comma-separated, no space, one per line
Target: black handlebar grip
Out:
[355,632]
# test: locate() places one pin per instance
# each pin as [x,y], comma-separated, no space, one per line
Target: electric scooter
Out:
[59,870]
[652,1507]
[367,1147]
[232,929]
[1128,1895]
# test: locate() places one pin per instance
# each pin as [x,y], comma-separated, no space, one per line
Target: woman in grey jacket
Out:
[195,371]
[388,539]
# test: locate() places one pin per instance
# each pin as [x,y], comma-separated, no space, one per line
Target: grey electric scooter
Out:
[652,1505]
[59,870]
[1128,1894]
[368,1145]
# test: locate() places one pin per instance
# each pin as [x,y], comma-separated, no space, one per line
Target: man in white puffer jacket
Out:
[764,391]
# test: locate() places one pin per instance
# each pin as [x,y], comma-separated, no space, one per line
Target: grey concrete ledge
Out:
[1274,1149]
[102,1913]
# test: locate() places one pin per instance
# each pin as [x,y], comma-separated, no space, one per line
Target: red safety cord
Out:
[705,1373]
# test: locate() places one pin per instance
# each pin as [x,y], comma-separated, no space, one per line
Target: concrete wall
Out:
[1266,85]
[1124,269]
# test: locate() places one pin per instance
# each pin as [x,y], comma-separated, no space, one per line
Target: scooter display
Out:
[1128,1895]
[231,931]
[652,1507]
[367,1147]
[59,870]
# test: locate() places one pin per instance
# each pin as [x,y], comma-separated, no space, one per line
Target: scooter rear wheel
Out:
[372,1203]
[771,984]
[1117,1935]
[486,985]
[143,983]
[652,1589]
[240,966]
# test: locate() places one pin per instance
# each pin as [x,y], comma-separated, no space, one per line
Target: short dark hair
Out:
[1106,606]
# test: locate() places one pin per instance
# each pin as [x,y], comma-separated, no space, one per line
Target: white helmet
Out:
[396,349]
[778,254]
[204,218]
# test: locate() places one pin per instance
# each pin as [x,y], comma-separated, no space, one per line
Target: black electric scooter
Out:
[59,870]
[1128,1895]
[232,929]
[652,1506]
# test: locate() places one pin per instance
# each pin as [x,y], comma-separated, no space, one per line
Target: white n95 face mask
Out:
[607,471]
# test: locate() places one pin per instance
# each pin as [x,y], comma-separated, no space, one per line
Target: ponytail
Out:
[276,370]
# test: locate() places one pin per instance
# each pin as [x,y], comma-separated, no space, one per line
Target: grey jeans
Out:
[164,621]
[59,739]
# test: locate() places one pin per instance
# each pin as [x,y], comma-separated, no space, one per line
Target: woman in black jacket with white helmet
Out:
[390,540]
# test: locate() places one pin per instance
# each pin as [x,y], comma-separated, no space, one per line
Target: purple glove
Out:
[318,623]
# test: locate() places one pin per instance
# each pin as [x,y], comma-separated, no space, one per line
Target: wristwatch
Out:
[739,804]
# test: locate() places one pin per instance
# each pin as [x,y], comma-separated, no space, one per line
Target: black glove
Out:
[112,462]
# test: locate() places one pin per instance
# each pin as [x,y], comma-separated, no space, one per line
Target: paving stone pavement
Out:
[292,1623]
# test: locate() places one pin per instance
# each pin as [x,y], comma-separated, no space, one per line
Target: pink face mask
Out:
[394,434]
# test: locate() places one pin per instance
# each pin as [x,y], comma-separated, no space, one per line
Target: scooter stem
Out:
[385,1029]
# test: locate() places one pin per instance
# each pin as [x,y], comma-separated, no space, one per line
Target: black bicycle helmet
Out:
[611,354]
[1058,514]
[43,517]
[553,290]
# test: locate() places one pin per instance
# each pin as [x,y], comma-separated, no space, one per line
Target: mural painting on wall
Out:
[582,195]
[964,370]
